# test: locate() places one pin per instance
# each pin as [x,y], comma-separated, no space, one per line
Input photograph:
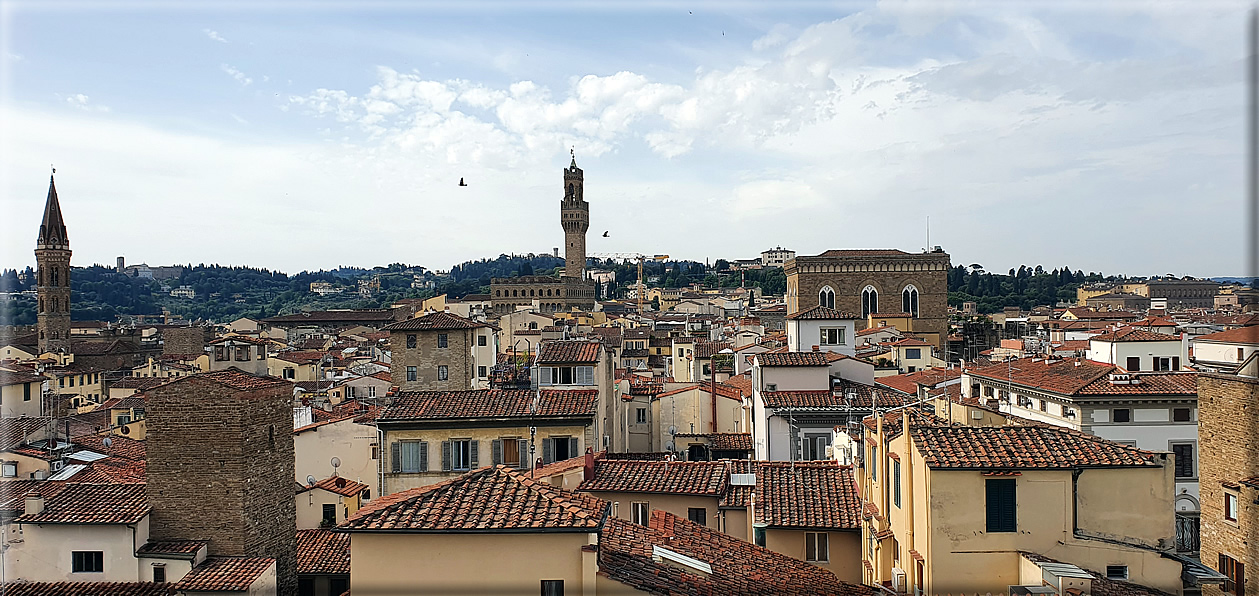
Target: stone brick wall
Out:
[553,295]
[426,356]
[53,324]
[220,468]
[889,274]
[1228,447]
[185,340]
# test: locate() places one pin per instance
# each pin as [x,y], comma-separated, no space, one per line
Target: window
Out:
[1162,364]
[480,372]
[874,463]
[242,353]
[869,301]
[1241,354]
[1134,364]
[758,536]
[698,515]
[26,392]
[913,353]
[816,549]
[640,416]
[290,373]
[442,340]
[909,300]
[1230,507]
[1002,505]
[1182,414]
[87,561]
[371,391]
[443,372]
[1236,573]
[552,587]
[459,455]
[640,512]
[567,375]
[330,514]
[411,373]
[159,574]
[1121,415]
[826,297]
[409,457]
[410,340]
[482,340]
[1184,460]
[988,392]
[9,469]
[375,451]
[509,451]
[833,337]
[220,353]
[1044,406]
[814,447]
[896,483]
[1117,572]
[558,449]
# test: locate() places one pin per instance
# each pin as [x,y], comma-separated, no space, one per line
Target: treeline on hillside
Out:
[1024,287]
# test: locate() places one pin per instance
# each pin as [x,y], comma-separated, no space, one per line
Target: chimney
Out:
[816,348]
[34,503]
[588,470]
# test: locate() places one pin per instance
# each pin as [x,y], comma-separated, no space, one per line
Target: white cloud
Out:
[214,35]
[83,102]
[236,74]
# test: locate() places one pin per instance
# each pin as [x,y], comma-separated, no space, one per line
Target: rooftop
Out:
[1022,447]
[820,312]
[435,322]
[1241,335]
[492,499]
[224,574]
[489,403]
[82,503]
[814,494]
[323,552]
[571,350]
[792,359]
[704,478]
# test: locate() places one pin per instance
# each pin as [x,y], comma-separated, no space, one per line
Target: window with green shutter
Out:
[896,483]
[1002,505]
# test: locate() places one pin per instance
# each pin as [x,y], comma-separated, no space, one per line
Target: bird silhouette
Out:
[462,183]
[605,234]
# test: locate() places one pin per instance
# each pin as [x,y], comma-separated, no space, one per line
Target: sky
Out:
[300,136]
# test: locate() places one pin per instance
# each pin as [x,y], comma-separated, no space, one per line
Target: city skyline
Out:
[283,140]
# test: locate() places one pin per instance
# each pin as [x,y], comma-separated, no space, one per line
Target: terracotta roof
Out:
[311,386]
[908,382]
[180,548]
[891,315]
[807,495]
[17,378]
[708,349]
[870,330]
[1088,313]
[725,441]
[86,589]
[115,470]
[489,403]
[13,493]
[705,478]
[820,312]
[244,339]
[860,395]
[236,379]
[335,316]
[93,504]
[224,574]
[339,485]
[14,431]
[893,421]
[739,568]
[491,499]
[792,359]
[1132,334]
[864,252]
[823,398]
[435,322]
[1065,377]
[302,357]
[1039,446]
[138,383]
[1241,335]
[323,552]
[570,350]
[743,383]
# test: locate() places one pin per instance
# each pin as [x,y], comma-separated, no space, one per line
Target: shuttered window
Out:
[1236,573]
[1002,505]
[510,451]
[1184,460]
[896,483]
[816,547]
[409,457]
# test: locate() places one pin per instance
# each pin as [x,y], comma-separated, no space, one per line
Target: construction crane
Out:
[632,256]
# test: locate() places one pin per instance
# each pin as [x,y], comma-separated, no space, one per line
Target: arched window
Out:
[531,292]
[826,297]
[498,293]
[869,301]
[570,190]
[56,304]
[41,305]
[909,300]
[54,276]
[513,293]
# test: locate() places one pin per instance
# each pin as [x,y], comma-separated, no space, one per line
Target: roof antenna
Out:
[928,249]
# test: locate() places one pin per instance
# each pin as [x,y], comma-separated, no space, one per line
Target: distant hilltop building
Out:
[776,257]
[884,283]
[52,261]
[572,289]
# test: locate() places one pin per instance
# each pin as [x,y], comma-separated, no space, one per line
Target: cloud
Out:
[214,35]
[236,74]
[83,102]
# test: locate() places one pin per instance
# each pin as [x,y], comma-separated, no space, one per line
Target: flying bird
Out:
[605,233]
[462,183]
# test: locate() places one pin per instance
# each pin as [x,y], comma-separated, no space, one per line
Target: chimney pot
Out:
[34,503]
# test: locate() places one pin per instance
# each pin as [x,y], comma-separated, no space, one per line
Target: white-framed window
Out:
[826,297]
[9,469]
[443,372]
[909,300]
[833,336]
[640,416]
[816,547]
[1230,506]
[869,301]
[640,512]
[567,375]
[412,373]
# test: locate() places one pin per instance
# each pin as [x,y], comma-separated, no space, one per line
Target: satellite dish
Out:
[107,442]
[336,462]
[669,447]
[673,430]
[310,480]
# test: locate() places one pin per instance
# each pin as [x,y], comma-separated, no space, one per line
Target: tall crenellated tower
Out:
[575,219]
[52,261]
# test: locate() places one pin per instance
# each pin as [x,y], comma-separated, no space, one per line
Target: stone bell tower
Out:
[575,219]
[52,262]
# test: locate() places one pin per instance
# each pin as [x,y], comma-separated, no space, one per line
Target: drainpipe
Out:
[907,488]
[1075,501]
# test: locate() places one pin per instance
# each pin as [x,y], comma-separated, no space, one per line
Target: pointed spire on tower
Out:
[573,152]
[52,231]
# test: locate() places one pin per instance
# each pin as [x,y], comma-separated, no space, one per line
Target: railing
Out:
[1187,533]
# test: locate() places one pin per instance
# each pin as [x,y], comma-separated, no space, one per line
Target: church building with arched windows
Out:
[887,282]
